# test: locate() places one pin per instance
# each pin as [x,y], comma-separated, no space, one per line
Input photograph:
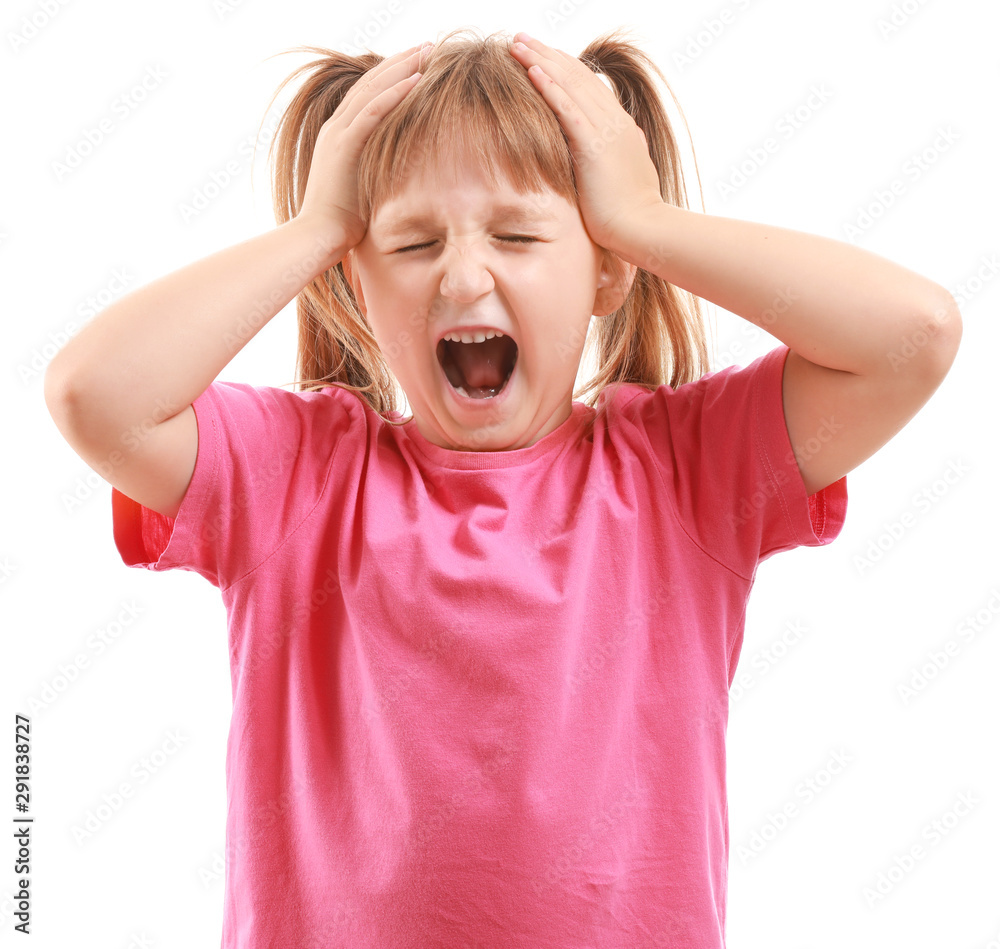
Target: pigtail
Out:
[658,334]
[335,343]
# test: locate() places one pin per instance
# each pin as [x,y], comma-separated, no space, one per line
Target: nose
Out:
[465,278]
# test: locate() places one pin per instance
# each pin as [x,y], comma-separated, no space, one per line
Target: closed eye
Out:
[513,239]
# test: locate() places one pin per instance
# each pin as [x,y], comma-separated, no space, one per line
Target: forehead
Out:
[456,182]
[400,217]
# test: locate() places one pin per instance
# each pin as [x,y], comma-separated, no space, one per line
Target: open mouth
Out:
[478,370]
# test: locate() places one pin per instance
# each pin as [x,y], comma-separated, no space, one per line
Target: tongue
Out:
[481,363]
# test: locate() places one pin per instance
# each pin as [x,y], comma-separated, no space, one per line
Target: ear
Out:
[348,264]
[613,284]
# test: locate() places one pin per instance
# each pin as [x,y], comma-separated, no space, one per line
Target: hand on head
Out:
[617,181]
[331,194]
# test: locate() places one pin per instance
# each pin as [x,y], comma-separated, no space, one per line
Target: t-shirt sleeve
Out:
[726,457]
[264,457]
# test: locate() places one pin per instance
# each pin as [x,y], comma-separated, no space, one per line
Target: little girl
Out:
[481,654]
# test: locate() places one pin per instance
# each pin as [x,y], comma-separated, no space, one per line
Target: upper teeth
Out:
[476,337]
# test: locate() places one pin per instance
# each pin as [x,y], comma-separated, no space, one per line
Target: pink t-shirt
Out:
[480,698]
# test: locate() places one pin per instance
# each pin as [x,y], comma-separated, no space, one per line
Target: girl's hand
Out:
[331,195]
[615,177]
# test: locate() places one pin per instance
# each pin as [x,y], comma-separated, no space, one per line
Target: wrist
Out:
[321,240]
[649,239]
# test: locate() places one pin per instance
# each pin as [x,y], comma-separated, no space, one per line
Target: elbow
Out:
[61,394]
[948,320]
[54,389]
[923,343]
[938,333]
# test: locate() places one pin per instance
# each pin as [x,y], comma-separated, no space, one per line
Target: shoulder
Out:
[277,440]
[723,396]
[274,408]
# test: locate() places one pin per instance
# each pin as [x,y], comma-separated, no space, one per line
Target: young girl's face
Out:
[537,279]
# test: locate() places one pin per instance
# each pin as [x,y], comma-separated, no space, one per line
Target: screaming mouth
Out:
[478,370]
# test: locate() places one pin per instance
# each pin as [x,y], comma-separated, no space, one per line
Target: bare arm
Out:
[120,391]
[158,348]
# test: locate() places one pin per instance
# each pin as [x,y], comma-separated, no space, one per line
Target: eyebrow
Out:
[506,214]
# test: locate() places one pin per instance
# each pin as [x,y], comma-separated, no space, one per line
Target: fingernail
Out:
[523,37]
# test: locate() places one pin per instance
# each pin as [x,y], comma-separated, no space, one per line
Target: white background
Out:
[153,870]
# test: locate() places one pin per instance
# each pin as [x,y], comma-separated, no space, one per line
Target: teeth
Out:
[492,392]
[478,336]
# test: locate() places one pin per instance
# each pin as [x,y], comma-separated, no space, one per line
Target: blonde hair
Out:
[473,92]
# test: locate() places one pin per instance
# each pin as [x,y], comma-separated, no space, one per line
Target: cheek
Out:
[572,274]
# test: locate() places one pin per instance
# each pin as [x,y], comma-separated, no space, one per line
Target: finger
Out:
[388,71]
[575,78]
[552,52]
[375,110]
[577,124]
[575,67]
[570,64]
[577,108]
[379,78]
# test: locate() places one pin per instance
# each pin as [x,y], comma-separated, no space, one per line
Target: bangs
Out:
[474,103]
